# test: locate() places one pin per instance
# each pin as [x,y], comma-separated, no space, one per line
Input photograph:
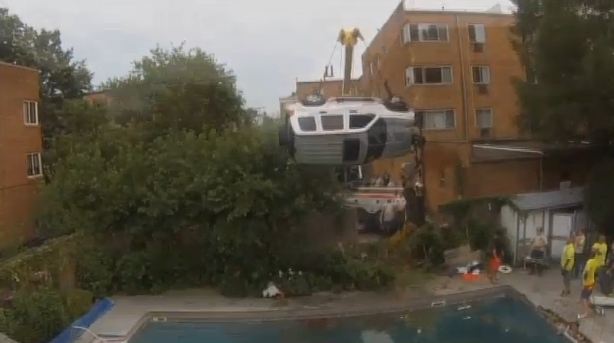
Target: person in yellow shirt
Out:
[567,264]
[588,281]
[601,250]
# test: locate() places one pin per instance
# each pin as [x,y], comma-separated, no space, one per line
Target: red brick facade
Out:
[18,191]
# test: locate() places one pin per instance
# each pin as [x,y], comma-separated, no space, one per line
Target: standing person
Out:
[496,258]
[601,250]
[386,179]
[588,283]
[400,209]
[567,264]
[388,216]
[538,251]
[580,243]
[606,282]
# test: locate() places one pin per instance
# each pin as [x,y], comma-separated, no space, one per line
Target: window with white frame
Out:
[428,75]
[437,119]
[483,118]
[425,33]
[35,165]
[481,75]
[30,112]
[477,33]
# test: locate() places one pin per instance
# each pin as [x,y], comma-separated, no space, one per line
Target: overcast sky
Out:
[267,43]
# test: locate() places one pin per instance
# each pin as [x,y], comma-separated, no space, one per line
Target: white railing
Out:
[98,339]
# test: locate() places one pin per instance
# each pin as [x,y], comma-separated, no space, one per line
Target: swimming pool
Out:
[500,319]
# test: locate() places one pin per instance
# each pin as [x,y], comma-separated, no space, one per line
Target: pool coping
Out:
[305,313]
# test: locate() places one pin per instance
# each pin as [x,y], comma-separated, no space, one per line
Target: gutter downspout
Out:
[462,76]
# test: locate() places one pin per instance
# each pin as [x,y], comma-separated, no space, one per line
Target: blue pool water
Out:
[495,320]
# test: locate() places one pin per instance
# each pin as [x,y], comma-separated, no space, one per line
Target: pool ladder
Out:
[97,339]
[438,303]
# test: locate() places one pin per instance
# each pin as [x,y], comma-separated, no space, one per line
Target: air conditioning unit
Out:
[485,132]
[478,47]
[483,88]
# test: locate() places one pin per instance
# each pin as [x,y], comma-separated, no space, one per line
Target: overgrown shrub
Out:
[480,234]
[346,274]
[427,246]
[36,316]
[188,210]
[95,267]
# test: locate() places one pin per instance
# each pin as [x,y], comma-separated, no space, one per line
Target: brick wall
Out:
[18,193]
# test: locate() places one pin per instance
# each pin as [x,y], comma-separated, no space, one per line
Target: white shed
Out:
[558,212]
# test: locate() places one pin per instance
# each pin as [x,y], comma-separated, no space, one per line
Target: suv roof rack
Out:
[354,99]
[314,100]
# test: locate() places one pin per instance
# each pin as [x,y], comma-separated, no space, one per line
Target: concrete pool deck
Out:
[129,311]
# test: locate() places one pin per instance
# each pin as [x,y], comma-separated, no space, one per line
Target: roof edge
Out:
[457,12]
[19,66]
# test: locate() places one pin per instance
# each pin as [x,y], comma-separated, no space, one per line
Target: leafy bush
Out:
[77,302]
[36,316]
[95,267]
[186,209]
[235,285]
[480,234]
[427,245]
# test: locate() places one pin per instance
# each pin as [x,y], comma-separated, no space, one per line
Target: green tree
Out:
[77,121]
[600,195]
[177,89]
[568,50]
[62,77]
[187,207]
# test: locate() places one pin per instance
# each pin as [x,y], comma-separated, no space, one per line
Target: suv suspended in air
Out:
[348,130]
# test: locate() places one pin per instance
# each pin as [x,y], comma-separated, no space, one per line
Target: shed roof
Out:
[545,200]
[526,149]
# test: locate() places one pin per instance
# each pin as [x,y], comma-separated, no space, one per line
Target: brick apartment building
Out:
[457,70]
[20,152]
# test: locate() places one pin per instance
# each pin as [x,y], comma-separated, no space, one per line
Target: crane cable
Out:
[330,59]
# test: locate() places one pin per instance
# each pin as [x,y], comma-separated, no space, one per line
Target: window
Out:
[371,69]
[359,121]
[307,123]
[477,33]
[424,33]
[433,32]
[428,75]
[483,118]
[30,112]
[34,165]
[330,123]
[481,75]
[437,119]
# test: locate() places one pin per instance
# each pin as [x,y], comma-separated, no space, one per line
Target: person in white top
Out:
[388,216]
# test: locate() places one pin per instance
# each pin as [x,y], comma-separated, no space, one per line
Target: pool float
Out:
[505,269]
